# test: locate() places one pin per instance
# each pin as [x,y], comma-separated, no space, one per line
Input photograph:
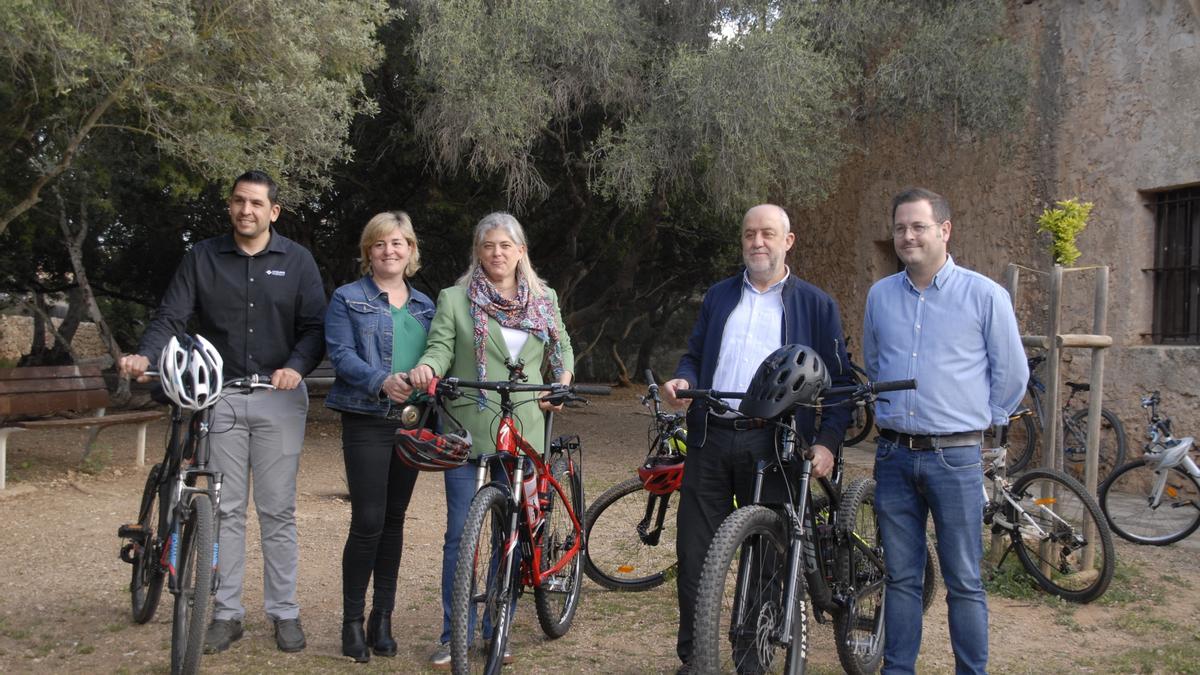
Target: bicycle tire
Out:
[858,627]
[1128,492]
[481,556]
[1070,576]
[619,557]
[751,549]
[146,580]
[1112,444]
[558,597]
[194,570]
[1023,439]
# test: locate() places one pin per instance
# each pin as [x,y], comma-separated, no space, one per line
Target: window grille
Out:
[1177,266]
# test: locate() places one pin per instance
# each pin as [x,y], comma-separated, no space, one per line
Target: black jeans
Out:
[380,489]
[714,472]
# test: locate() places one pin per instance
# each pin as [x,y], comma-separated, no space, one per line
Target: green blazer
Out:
[450,351]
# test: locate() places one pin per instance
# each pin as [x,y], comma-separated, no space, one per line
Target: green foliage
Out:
[1064,224]
[272,84]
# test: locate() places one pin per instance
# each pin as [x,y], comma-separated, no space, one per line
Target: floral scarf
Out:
[525,312]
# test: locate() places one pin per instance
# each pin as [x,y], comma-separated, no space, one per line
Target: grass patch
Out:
[1129,585]
[1144,623]
[1009,580]
[1176,657]
[1176,581]
[116,627]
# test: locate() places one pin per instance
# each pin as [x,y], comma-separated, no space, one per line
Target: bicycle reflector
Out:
[425,450]
[662,475]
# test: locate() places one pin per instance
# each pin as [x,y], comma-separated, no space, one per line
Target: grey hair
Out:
[512,227]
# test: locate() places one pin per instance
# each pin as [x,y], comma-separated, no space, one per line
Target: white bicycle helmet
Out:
[190,373]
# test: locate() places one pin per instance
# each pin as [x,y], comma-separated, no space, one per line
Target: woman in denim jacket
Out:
[375,330]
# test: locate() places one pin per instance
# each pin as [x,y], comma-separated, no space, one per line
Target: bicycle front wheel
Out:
[145,587]
[1061,536]
[558,595]
[741,603]
[1112,444]
[1128,500]
[194,569]
[477,642]
[630,538]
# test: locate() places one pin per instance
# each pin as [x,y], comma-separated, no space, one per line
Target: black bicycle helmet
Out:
[792,375]
[426,450]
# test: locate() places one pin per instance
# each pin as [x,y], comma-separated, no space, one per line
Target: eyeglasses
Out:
[918,229]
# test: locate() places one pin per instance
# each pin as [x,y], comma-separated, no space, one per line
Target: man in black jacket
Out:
[258,297]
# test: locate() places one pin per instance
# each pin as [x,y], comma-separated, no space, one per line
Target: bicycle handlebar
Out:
[450,384]
[854,391]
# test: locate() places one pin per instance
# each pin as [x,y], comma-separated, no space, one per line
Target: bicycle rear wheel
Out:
[479,586]
[194,568]
[1112,444]
[1052,535]
[558,596]
[630,538]
[858,628]
[145,587]
[1127,499]
[741,601]
[1022,440]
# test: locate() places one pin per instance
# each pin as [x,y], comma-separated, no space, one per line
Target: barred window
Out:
[1177,266]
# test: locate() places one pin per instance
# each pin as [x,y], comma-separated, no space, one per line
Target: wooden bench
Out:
[320,379]
[55,390]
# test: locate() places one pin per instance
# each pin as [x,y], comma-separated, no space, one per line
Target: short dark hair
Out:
[259,178]
[937,203]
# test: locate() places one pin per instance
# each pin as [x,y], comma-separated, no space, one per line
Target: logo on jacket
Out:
[276,273]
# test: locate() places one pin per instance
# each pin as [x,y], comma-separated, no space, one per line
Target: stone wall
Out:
[16,334]
[1114,115]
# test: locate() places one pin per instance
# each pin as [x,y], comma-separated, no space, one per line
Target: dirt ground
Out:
[64,601]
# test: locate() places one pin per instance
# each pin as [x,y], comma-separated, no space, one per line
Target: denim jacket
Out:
[358,337]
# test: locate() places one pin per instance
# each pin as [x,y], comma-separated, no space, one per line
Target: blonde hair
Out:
[501,219]
[381,225]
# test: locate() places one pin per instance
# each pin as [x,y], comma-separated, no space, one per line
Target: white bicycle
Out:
[1155,499]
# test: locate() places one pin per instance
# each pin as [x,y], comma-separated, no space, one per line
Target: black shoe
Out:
[354,643]
[379,633]
[221,634]
[289,636]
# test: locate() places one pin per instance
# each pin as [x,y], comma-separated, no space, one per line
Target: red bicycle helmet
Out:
[662,475]
[425,450]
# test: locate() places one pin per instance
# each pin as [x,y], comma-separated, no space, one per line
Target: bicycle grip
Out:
[691,393]
[650,378]
[893,385]
[592,389]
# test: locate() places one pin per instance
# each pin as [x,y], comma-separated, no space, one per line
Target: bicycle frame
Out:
[1164,451]
[511,449]
[184,488]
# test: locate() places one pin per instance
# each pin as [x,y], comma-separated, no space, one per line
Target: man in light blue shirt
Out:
[953,330]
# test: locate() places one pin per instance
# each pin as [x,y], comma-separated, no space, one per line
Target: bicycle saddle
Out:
[1079,386]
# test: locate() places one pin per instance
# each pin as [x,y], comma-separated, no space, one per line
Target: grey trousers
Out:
[258,437]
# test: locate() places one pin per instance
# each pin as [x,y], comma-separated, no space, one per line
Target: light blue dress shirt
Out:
[958,338]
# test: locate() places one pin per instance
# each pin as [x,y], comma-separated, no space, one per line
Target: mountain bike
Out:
[767,560]
[1024,436]
[174,537]
[630,527]
[862,417]
[1155,499]
[522,529]
[1053,524]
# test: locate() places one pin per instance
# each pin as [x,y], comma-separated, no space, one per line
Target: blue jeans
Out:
[911,484]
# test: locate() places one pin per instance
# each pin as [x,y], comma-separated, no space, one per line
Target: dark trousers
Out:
[713,473]
[380,489]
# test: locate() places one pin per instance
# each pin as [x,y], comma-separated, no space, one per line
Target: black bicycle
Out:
[768,559]
[1024,434]
[174,537]
[630,527]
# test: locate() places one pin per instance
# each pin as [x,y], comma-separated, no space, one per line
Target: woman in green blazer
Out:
[498,310]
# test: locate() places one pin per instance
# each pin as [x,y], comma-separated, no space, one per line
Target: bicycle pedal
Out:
[133,531]
[127,553]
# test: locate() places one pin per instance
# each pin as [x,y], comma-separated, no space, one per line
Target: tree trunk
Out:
[74,239]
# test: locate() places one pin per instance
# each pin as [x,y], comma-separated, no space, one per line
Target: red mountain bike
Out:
[522,529]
